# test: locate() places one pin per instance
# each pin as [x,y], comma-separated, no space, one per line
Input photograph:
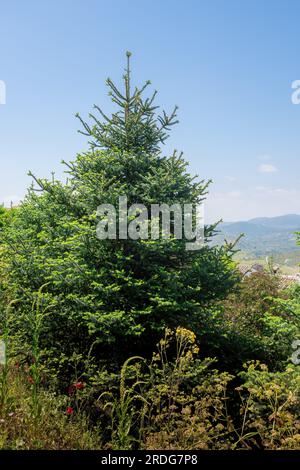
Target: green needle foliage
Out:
[119,294]
[134,126]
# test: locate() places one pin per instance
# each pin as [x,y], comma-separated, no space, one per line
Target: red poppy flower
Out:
[30,379]
[79,385]
[69,410]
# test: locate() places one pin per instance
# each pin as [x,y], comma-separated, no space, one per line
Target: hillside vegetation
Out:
[137,344]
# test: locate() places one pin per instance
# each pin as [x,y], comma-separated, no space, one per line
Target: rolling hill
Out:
[264,236]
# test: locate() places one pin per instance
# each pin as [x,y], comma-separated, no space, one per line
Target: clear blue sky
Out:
[228,65]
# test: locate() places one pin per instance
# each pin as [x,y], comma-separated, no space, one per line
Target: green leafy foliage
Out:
[257,321]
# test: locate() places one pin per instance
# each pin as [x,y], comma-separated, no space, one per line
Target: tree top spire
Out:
[135,126]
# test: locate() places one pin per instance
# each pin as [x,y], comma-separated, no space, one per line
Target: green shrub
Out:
[270,407]
[258,321]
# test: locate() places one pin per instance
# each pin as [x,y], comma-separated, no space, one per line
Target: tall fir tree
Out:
[117,295]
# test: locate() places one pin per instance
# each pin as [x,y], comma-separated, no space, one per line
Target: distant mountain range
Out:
[263,235]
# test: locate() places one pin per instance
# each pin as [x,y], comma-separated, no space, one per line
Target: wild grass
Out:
[51,429]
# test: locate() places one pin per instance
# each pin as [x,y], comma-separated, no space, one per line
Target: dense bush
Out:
[262,320]
[178,401]
[173,401]
[270,405]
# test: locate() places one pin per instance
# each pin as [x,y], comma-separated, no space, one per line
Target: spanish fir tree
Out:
[117,295]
